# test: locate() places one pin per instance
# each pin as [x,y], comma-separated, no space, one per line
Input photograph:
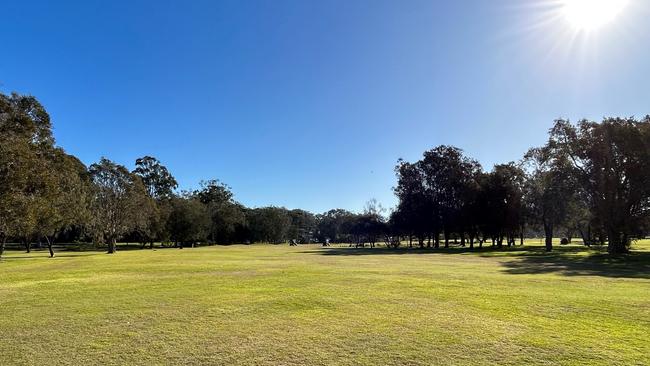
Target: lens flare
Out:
[591,14]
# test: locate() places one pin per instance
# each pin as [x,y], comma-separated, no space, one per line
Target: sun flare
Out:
[591,14]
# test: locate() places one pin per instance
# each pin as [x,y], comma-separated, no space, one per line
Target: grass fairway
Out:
[276,305]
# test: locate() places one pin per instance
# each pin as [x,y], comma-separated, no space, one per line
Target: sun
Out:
[591,14]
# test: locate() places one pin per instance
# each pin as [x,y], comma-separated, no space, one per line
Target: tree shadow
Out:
[351,251]
[632,265]
[39,257]
[572,260]
[71,250]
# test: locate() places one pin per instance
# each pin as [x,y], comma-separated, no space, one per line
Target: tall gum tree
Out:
[611,161]
[117,198]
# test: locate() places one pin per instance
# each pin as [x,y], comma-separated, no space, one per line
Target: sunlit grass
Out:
[270,305]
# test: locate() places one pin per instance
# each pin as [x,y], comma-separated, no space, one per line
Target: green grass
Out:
[276,305]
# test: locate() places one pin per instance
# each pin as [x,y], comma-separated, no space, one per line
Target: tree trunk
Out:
[586,236]
[49,246]
[446,239]
[3,238]
[471,241]
[521,238]
[28,245]
[112,247]
[462,240]
[617,243]
[548,235]
[436,240]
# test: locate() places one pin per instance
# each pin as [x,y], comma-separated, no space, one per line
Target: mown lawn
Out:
[280,305]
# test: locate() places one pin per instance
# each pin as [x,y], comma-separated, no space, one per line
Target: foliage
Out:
[118,197]
[589,178]
[189,221]
[268,224]
[610,161]
[158,181]
[226,215]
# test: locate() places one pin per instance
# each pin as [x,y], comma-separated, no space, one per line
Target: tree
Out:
[26,185]
[65,199]
[501,199]
[225,213]
[117,198]
[15,174]
[334,225]
[550,190]
[611,161]
[448,174]
[189,221]
[416,212]
[268,224]
[302,225]
[160,185]
[23,117]
[158,181]
[369,225]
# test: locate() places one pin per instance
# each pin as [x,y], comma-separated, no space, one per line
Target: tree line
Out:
[590,179]
[47,195]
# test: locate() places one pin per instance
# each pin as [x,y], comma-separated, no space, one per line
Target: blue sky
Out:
[309,104]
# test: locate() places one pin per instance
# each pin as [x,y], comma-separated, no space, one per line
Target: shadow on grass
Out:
[632,265]
[568,261]
[72,250]
[46,254]
[350,251]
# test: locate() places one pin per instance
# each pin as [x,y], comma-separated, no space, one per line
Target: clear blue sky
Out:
[310,103]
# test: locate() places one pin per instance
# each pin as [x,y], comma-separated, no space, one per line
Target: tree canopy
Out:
[590,178]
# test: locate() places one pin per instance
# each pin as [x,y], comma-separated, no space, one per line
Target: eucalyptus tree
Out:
[370,225]
[23,117]
[268,224]
[15,212]
[501,199]
[65,201]
[416,214]
[448,174]
[160,185]
[158,181]
[550,191]
[471,214]
[117,200]
[25,140]
[189,221]
[226,215]
[334,225]
[611,160]
[302,226]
